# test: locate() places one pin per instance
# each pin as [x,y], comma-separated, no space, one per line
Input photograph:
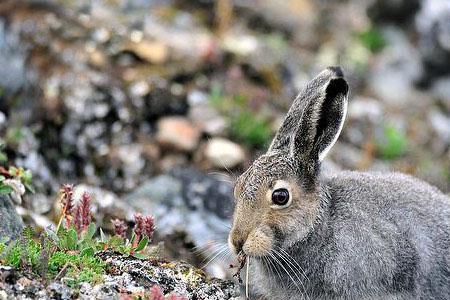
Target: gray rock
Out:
[396,69]
[433,26]
[172,277]
[441,125]
[441,90]
[12,60]
[189,201]
[11,224]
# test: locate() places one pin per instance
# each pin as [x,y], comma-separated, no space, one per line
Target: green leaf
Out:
[89,251]
[116,241]
[102,236]
[90,232]
[133,237]
[5,189]
[142,244]
[27,176]
[29,187]
[72,239]
[2,178]
[13,171]
[3,157]
[140,255]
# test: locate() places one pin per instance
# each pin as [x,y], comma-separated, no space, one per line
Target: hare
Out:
[350,235]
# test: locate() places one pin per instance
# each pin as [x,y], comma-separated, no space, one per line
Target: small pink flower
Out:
[149,226]
[120,228]
[156,293]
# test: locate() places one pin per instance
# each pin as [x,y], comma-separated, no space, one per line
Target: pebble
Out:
[441,125]
[151,51]
[179,133]
[208,119]
[222,153]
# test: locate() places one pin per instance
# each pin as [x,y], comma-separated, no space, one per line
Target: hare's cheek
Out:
[258,243]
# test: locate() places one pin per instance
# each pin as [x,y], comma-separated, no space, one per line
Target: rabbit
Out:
[309,234]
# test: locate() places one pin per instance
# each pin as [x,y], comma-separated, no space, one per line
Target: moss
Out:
[392,144]
[244,125]
[29,253]
[251,130]
[372,39]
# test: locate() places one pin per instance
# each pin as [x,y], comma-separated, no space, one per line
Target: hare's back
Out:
[390,198]
[390,224]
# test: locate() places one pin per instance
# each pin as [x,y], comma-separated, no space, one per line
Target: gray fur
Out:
[374,235]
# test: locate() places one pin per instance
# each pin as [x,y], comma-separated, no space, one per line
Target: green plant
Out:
[372,39]
[3,156]
[69,250]
[392,144]
[250,129]
[244,125]
[13,178]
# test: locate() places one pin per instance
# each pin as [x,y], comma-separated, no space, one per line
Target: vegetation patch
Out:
[244,125]
[392,144]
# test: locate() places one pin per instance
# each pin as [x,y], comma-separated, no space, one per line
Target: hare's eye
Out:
[280,197]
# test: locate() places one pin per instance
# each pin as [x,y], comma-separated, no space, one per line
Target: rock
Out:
[12,60]
[397,68]
[441,90]
[172,277]
[393,10]
[364,115]
[207,119]
[222,153]
[162,101]
[432,24]
[151,51]
[441,125]
[177,133]
[11,225]
[242,45]
[125,275]
[363,108]
[189,201]
[40,203]
[129,159]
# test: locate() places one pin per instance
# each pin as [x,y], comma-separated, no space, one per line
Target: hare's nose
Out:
[238,245]
[236,242]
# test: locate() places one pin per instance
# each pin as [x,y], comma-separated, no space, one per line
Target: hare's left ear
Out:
[323,116]
[315,119]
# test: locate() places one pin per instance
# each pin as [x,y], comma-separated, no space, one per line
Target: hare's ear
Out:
[315,119]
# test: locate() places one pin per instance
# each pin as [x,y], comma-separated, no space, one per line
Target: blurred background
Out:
[156,106]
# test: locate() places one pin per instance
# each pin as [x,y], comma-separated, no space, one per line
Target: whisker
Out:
[215,256]
[295,271]
[246,277]
[276,270]
[290,260]
[214,253]
[286,271]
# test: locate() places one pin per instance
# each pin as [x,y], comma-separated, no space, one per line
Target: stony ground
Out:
[126,276]
[156,106]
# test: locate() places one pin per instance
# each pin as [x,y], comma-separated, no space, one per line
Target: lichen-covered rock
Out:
[126,275]
[172,277]
[11,224]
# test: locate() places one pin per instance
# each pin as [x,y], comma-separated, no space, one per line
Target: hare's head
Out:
[277,198]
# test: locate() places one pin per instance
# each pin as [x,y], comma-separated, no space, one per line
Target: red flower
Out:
[120,228]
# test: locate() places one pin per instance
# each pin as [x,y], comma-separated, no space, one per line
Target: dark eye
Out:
[280,197]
